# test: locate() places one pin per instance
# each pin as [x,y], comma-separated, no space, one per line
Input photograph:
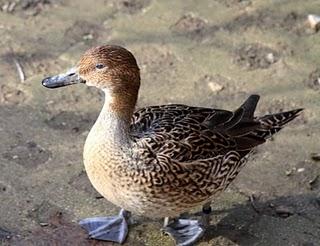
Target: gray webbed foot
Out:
[183,231]
[113,228]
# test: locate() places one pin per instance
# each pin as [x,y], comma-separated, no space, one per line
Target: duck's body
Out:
[160,161]
[172,158]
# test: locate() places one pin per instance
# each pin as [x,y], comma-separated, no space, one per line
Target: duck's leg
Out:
[205,218]
[186,231]
[113,228]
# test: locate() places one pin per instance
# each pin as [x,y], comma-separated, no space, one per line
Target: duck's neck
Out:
[108,148]
[113,124]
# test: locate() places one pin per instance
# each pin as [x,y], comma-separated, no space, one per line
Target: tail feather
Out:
[230,121]
[249,131]
[249,106]
[242,121]
[272,123]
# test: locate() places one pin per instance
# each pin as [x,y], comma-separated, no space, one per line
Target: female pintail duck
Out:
[160,161]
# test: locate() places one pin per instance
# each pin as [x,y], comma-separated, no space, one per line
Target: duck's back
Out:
[193,152]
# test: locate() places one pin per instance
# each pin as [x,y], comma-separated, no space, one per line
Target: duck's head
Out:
[112,69]
[106,67]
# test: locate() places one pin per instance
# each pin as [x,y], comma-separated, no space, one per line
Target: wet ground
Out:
[211,53]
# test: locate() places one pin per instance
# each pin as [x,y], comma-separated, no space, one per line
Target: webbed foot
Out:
[113,228]
[183,231]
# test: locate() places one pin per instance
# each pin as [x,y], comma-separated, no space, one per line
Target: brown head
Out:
[112,69]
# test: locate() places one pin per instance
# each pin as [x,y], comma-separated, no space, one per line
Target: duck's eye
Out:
[99,66]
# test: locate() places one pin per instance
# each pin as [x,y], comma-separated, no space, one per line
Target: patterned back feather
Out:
[205,132]
[196,152]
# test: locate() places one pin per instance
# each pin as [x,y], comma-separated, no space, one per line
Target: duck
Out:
[160,161]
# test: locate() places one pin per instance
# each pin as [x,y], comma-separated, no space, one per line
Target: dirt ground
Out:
[211,53]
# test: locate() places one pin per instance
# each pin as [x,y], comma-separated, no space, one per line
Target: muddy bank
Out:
[209,53]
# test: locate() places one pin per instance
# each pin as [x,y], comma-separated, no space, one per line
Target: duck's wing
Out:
[196,152]
[183,133]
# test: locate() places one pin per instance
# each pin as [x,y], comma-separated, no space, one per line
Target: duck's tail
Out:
[272,123]
[250,131]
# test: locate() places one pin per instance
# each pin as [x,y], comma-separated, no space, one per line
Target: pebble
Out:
[284,211]
[300,170]
[315,156]
[314,22]
[215,87]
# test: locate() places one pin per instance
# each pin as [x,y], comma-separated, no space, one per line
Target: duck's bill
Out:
[69,78]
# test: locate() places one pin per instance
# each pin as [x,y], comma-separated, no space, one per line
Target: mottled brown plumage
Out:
[164,160]
[170,158]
